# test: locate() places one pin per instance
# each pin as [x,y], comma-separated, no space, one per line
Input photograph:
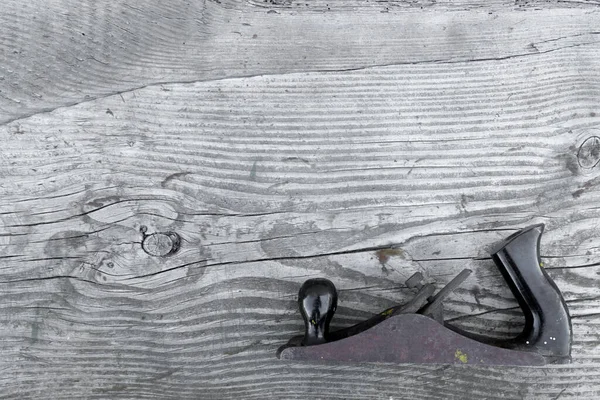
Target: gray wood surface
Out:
[355,140]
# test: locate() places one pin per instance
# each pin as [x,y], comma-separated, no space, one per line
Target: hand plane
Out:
[415,332]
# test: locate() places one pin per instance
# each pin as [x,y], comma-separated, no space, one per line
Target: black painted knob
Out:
[317,300]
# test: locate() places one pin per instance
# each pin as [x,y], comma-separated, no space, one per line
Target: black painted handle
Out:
[317,301]
[547,320]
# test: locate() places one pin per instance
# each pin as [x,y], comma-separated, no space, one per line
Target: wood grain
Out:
[78,51]
[432,133]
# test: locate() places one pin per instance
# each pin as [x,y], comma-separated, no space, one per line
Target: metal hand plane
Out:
[416,332]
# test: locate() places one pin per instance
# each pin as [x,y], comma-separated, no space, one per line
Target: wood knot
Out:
[161,244]
[588,155]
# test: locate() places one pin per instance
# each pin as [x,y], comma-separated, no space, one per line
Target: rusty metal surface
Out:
[411,338]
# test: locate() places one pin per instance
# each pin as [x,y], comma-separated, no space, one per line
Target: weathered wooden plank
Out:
[489,122]
[62,52]
[270,181]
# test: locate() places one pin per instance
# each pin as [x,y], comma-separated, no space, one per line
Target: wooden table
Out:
[278,141]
